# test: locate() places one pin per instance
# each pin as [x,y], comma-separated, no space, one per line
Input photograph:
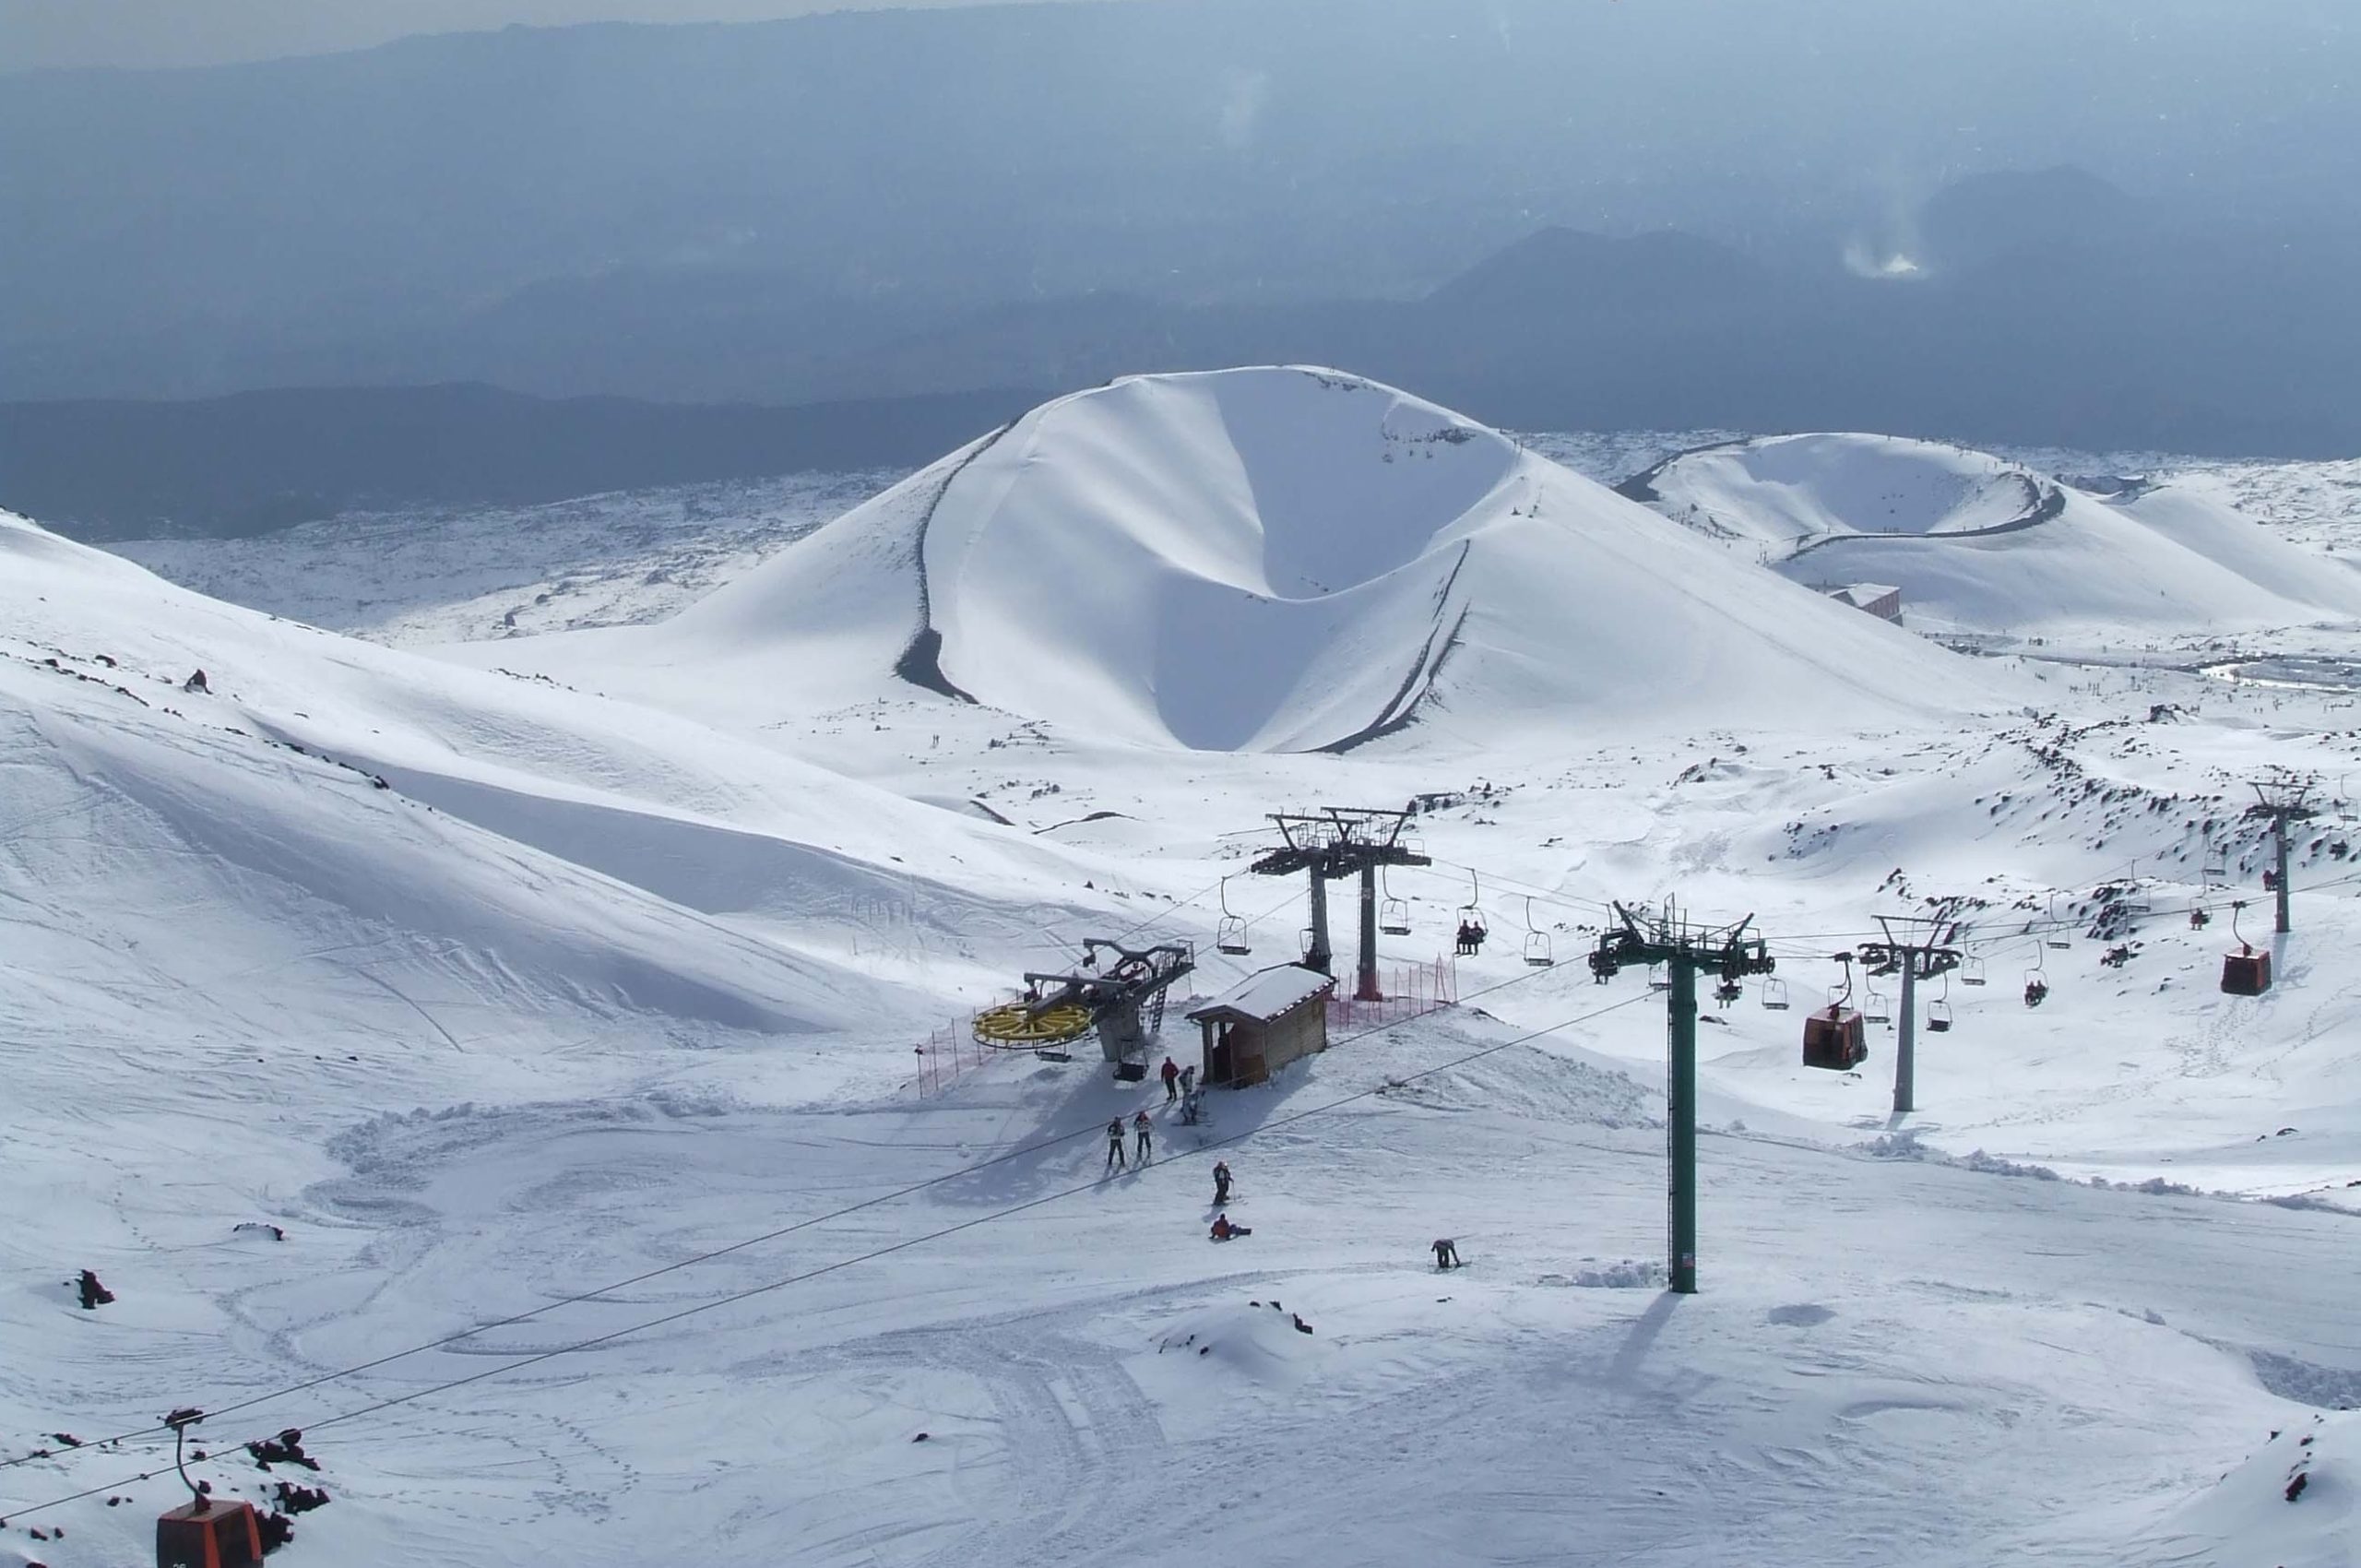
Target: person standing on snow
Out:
[1221,1184]
[1171,1080]
[1146,1134]
[1115,1145]
[1446,1253]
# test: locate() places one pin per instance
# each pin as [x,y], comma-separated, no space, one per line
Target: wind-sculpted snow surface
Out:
[1980,544]
[1273,559]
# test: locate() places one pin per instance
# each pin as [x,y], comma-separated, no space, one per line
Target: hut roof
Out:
[1266,994]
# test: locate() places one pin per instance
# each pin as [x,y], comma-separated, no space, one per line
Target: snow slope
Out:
[1259,560]
[1980,544]
[555,808]
[620,977]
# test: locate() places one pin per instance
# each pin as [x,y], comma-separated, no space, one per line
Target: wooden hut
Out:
[1262,1023]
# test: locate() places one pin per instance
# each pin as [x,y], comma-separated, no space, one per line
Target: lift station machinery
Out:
[1115,989]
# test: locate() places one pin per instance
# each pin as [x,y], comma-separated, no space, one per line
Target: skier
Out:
[1221,1184]
[1446,1253]
[1115,1144]
[1223,1229]
[1193,1107]
[1188,1080]
[1147,1135]
[1171,1080]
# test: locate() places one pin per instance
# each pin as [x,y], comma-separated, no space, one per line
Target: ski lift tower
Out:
[1920,949]
[1686,951]
[1338,841]
[2282,801]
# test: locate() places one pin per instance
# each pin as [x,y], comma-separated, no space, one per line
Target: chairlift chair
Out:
[1877,1007]
[1393,914]
[2037,981]
[1970,972]
[1939,1011]
[2059,937]
[1471,919]
[1774,996]
[1229,936]
[1603,967]
[1658,978]
[1537,941]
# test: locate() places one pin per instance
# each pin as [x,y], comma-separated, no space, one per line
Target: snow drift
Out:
[1980,544]
[1261,560]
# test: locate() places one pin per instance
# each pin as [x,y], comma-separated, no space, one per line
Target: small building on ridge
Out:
[1880,600]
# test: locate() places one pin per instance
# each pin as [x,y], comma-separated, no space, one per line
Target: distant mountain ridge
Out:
[894,203]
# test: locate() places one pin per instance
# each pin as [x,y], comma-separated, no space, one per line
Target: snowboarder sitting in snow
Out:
[1171,1080]
[94,1294]
[1446,1253]
[196,682]
[1115,1144]
[1223,1229]
[1147,1135]
[1221,1184]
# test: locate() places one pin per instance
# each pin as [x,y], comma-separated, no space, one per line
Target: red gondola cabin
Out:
[2246,973]
[208,1534]
[1835,1039]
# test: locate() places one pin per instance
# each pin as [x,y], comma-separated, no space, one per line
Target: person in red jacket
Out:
[1171,1080]
[1224,1230]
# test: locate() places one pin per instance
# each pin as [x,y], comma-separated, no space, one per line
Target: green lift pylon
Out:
[1729,953]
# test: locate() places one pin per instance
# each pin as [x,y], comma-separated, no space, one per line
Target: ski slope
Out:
[615,1015]
[1981,545]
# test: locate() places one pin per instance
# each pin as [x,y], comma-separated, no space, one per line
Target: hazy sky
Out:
[35,33]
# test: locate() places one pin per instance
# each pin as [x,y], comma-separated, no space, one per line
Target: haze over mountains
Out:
[1994,223]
